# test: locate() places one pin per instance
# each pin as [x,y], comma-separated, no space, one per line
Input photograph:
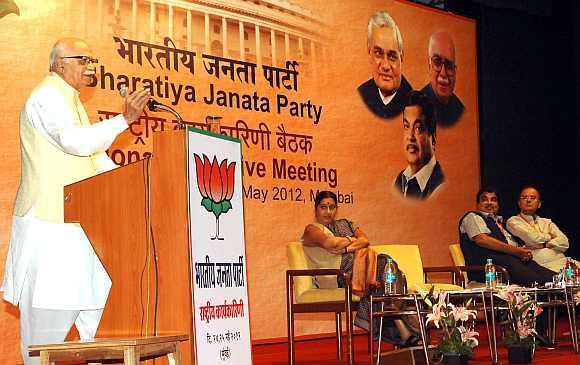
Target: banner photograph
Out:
[315,92]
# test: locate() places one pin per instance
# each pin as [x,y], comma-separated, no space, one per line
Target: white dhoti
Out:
[56,279]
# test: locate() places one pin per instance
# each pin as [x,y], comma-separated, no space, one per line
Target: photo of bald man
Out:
[442,76]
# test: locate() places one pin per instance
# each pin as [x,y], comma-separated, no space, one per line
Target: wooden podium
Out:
[115,209]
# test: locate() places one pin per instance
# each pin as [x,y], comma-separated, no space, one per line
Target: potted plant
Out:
[458,340]
[519,329]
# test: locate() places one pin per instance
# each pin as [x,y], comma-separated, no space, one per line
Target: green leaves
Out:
[216,208]
[429,297]
[207,204]
[226,205]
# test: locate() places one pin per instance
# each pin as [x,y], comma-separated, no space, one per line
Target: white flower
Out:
[462,313]
[436,316]
[442,297]
[507,293]
[468,334]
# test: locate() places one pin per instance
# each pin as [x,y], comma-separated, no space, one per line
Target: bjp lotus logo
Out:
[216,186]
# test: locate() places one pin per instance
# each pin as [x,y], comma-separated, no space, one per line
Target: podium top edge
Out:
[211,134]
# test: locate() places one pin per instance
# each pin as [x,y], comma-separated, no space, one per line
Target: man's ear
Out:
[57,66]
[540,204]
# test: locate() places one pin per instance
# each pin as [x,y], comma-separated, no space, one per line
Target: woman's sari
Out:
[367,271]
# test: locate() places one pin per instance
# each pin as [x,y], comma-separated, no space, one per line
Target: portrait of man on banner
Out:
[386,91]
[442,77]
[423,174]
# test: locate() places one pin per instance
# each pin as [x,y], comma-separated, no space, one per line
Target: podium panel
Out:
[139,219]
[108,208]
[149,268]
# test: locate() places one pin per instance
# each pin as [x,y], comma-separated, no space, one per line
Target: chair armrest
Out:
[314,272]
[290,274]
[453,270]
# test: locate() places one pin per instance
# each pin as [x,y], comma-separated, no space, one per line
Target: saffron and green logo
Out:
[215,182]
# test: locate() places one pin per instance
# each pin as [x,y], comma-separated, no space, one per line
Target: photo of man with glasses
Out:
[541,235]
[386,92]
[442,74]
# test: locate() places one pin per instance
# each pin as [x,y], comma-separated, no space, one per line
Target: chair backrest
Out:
[297,261]
[458,258]
[409,260]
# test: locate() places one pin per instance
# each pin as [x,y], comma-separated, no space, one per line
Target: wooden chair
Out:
[129,350]
[303,297]
[409,260]
[459,261]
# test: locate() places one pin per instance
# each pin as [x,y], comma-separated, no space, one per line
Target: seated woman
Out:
[334,243]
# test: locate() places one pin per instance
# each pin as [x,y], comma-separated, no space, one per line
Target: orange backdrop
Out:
[361,153]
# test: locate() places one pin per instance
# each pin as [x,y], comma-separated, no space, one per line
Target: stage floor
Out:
[323,351]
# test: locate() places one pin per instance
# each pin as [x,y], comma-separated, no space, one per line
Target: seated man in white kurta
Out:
[52,272]
[542,236]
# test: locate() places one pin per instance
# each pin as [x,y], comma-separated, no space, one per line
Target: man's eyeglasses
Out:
[528,197]
[438,62]
[83,60]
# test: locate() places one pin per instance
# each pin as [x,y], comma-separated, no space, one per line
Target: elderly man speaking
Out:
[52,272]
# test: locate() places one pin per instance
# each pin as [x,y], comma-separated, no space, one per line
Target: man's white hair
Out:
[444,34]
[58,50]
[382,19]
[55,53]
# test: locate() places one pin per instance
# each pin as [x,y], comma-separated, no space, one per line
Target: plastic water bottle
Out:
[390,277]
[569,272]
[490,279]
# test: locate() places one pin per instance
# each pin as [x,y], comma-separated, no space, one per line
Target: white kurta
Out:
[66,272]
[536,231]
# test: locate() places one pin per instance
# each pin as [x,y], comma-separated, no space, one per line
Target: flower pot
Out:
[519,355]
[455,359]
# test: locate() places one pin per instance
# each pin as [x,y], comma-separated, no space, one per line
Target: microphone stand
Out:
[156,106]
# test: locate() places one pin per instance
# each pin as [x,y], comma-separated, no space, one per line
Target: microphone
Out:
[152,104]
